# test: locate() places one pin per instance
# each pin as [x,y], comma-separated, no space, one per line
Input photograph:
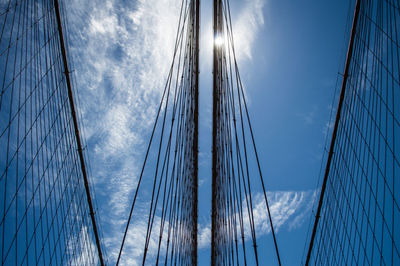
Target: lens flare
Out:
[218,41]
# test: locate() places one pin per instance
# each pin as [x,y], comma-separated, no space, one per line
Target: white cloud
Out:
[80,248]
[309,116]
[121,61]
[246,27]
[204,236]
[289,210]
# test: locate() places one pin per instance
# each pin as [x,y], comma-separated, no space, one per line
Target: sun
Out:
[218,41]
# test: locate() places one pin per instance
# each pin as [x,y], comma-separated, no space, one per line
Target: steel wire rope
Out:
[359,212]
[228,79]
[175,202]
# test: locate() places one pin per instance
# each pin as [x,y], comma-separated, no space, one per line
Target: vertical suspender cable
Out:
[214,140]
[335,129]
[196,131]
[77,136]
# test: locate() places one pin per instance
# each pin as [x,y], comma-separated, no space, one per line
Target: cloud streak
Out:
[122,53]
[247,26]
[289,210]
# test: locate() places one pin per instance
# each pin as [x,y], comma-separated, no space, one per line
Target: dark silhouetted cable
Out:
[171,182]
[46,212]
[235,162]
[358,210]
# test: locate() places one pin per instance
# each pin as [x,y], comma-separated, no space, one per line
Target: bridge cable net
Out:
[47,211]
[164,206]
[237,203]
[358,215]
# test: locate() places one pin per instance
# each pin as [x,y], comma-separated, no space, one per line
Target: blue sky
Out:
[289,55]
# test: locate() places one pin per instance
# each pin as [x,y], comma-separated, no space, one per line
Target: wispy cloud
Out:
[247,26]
[87,247]
[309,117]
[289,210]
[122,53]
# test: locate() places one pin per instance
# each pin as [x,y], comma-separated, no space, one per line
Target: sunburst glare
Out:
[218,40]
